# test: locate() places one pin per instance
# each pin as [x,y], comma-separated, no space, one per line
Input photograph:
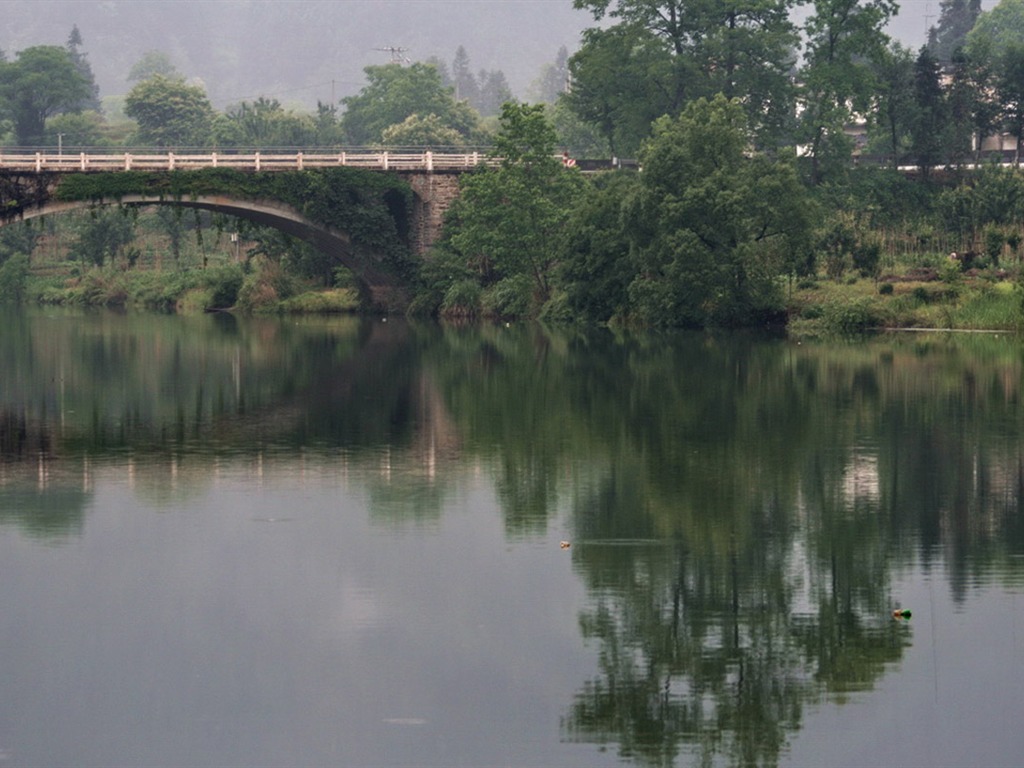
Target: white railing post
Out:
[256,161]
[298,160]
[127,161]
[384,160]
[342,160]
[213,158]
[430,160]
[83,161]
[39,162]
[170,161]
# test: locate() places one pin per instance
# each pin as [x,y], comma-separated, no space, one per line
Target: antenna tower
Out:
[396,54]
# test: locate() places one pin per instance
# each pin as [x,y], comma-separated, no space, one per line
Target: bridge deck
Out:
[39,162]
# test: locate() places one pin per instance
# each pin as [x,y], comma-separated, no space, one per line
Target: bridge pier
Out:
[434,192]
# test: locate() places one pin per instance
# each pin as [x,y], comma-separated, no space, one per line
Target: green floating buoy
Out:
[901,613]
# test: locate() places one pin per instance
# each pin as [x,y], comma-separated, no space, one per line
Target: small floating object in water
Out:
[564,544]
[901,613]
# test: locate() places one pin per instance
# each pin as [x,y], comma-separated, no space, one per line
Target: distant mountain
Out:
[298,51]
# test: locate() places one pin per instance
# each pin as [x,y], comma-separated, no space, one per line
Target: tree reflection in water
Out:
[739,508]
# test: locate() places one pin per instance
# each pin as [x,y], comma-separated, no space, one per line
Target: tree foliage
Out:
[956,20]
[712,227]
[394,93]
[170,113]
[691,50]
[508,222]
[843,38]
[41,82]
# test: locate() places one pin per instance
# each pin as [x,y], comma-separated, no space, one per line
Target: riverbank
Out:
[920,298]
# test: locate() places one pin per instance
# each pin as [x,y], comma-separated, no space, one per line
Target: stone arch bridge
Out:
[420,188]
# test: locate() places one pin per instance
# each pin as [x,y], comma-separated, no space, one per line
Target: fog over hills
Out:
[301,51]
[295,50]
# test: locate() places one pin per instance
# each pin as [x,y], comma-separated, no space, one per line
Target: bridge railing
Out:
[39,162]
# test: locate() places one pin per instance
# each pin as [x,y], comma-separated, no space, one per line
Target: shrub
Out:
[853,317]
[224,282]
[13,277]
[461,300]
[885,289]
[510,297]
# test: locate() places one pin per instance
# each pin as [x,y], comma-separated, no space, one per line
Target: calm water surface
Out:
[231,542]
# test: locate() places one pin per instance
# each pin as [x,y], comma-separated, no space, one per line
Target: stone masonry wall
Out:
[434,194]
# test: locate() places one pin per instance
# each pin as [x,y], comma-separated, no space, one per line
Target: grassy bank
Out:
[987,300]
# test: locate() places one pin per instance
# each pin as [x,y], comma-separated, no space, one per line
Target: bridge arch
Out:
[405,212]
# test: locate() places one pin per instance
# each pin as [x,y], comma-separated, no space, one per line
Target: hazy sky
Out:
[301,51]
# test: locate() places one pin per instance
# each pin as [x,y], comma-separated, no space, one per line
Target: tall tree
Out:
[892,112]
[553,80]
[466,88]
[843,37]
[1010,90]
[740,48]
[956,20]
[509,221]
[170,113]
[964,102]
[41,82]
[622,80]
[494,91]
[81,62]
[931,116]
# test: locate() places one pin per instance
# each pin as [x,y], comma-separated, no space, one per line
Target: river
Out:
[232,541]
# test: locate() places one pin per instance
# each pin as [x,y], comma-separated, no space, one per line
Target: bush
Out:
[461,300]
[13,277]
[224,282]
[510,297]
[885,289]
[263,289]
[854,317]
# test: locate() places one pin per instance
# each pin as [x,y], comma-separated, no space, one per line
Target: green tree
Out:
[741,48]
[713,227]
[102,236]
[151,64]
[956,20]
[494,91]
[596,266]
[1009,82]
[621,82]
[395,92]
[995,30]
[508,222]
[462,78]
[81,129]
[892,114]
[553,80]
[931,118]
[41,82]
[422,131]
[81,62]
[843,38]
[265,123]
[966,103]
[327,126]
[170,113]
